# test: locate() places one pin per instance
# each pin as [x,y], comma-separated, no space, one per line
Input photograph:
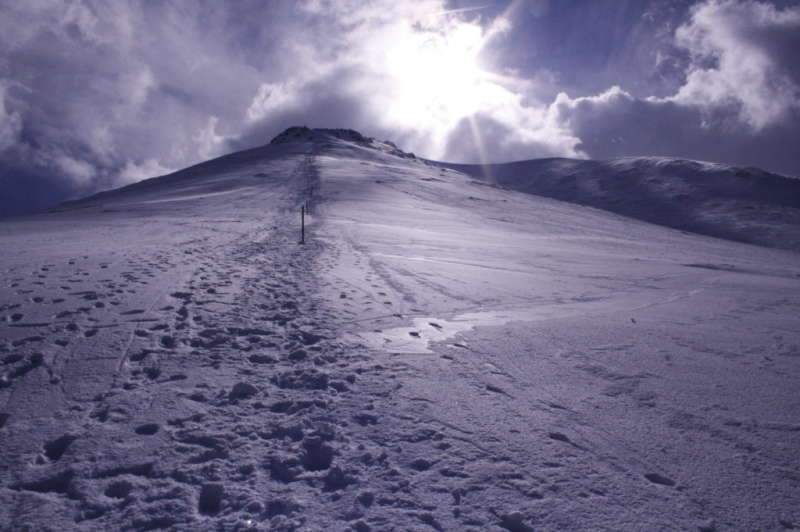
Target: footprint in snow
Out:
[56,448]
[168,341]
[559,437]
[656,478]
[148,429]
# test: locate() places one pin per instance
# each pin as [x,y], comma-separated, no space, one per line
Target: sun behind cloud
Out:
[437,74]
[436,77]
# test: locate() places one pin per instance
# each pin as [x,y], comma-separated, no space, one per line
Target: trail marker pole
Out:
[303,223]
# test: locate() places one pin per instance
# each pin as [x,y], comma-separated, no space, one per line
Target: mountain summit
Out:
[305,134]
[742,204]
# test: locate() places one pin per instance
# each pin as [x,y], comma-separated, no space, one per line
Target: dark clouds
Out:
[616,124]
[94,94]
[586,47]
[740,102]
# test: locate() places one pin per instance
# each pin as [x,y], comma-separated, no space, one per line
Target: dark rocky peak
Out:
[302,133]
[306,134]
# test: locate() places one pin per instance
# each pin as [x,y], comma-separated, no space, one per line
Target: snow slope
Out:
[743,204]
[442,354]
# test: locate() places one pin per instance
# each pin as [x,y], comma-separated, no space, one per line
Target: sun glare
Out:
[432,79]
[436,75]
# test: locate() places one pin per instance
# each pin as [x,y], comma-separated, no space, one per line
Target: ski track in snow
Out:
[172,359]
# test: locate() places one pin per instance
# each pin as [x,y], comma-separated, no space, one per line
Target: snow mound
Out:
[237,177]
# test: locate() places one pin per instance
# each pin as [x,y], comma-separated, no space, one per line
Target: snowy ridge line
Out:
[741,204]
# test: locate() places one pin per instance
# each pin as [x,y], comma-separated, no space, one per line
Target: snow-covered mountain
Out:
[743,204]
[443,353]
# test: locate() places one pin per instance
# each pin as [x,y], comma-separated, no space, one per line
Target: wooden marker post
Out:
[303,223]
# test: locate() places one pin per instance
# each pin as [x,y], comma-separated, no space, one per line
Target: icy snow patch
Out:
[426,330]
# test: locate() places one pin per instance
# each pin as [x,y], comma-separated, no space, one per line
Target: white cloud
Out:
[615,123]
[740,102]
[133,171]
[209,142]
[739,52]
[738,70]
[79,170]
[271,97]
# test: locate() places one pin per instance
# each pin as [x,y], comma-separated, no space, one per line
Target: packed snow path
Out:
[440,355]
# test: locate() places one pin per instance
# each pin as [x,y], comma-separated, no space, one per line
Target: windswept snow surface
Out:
[441,354]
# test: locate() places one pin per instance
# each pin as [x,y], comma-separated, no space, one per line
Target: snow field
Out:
[442,354]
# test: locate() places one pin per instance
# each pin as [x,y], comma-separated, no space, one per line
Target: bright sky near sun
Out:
[434,77]
[437,75]
[438,79]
